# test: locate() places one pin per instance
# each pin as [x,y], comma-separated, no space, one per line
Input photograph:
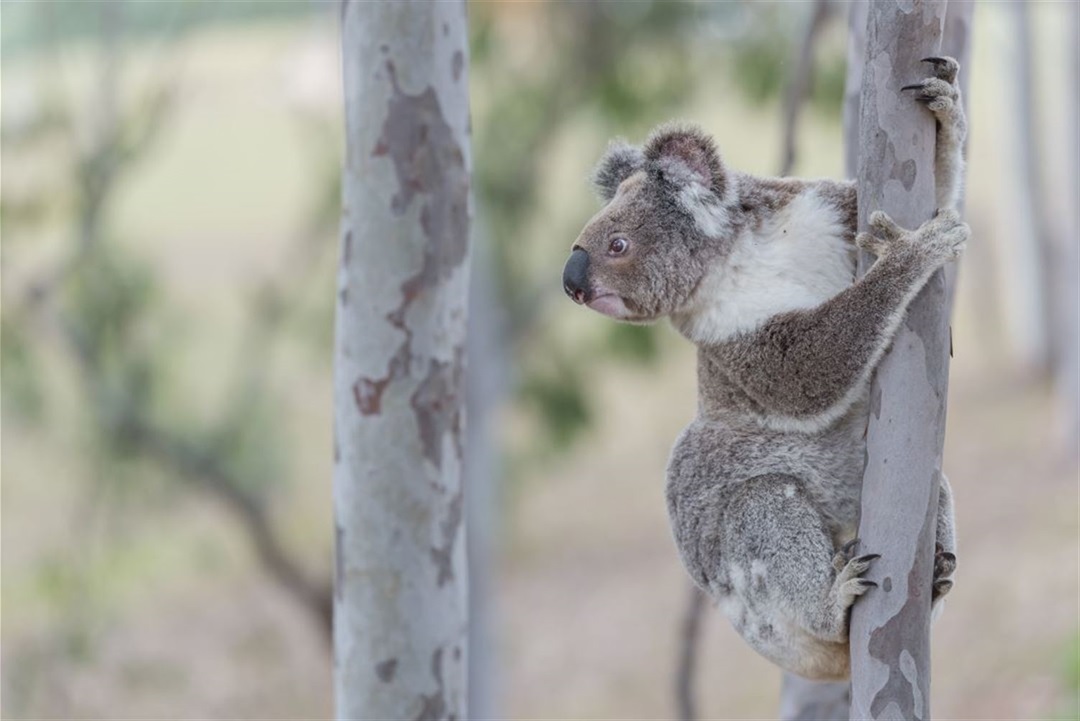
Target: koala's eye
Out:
[618,246]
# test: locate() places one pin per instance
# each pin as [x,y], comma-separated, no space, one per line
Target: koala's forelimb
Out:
[820,359]
[941,93]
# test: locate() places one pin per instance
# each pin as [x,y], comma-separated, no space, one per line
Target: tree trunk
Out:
[400,571]
[1067,374]
[487,380]
[802,81]
[890,639]
[803,700]
[1032,264]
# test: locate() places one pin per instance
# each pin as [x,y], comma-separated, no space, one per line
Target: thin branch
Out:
[798,90]
[689,633]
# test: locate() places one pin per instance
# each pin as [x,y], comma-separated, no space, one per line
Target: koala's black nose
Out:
[575,276]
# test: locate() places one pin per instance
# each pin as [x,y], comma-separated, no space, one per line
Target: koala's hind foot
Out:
[945,549]
[944,565]
[849,583]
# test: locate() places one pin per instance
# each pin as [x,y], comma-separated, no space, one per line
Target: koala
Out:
[763,486]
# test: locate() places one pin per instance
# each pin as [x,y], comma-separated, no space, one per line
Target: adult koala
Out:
[763,486]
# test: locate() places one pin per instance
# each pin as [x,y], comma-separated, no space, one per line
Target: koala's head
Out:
[644,253]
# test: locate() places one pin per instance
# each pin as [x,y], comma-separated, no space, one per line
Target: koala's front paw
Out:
[939,92]
[936,242]
[942,238]
[944,566]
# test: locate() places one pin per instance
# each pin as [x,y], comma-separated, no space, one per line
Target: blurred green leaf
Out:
[560,402]
[21,387]
[636,343]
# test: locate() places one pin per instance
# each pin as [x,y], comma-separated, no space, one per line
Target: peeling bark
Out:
[401,584]
[890,642]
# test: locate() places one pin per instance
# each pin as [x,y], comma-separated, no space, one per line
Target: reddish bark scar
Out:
[368,395]
[437,405]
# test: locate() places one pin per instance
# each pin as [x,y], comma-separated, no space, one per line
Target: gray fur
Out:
[763,486]
[619,162]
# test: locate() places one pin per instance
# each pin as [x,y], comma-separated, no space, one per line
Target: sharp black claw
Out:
[871,584]
[935,60]
[916,86]
[869,557]
[949,557]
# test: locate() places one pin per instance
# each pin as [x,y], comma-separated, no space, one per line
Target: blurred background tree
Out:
[169,215]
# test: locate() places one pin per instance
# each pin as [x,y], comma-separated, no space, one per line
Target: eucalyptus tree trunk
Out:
[400,593]
[890,626]
[1067,374]
[1031,269]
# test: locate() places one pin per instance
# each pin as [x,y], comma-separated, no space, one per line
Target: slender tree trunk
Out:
[1032,262]
[890,626]
[400,593]
[804,700]
[488,379]
[802,81]
[689,651]
[1067,375]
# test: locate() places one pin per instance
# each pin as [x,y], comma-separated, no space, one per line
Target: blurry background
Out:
[169,212]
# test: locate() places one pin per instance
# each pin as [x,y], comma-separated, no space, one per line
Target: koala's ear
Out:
[619,162]
[685,154]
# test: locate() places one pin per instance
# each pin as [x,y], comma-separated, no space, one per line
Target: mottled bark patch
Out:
[385,670]
[437,404]
[368,394]
[458,64]
[889,641]
[420,143]
[433,705]
[442,555]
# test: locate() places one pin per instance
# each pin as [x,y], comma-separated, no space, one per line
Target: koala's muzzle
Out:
[575,277]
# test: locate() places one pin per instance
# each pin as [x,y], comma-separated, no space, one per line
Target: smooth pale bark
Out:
[1067,374]
[803,700]
[400,574]
[1031,265]
[488,380]
[890,625]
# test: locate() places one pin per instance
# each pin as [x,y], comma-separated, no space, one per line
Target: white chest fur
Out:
[797,259]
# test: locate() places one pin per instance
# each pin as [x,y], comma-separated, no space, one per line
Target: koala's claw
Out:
[940,95]
[945,68]
[845,554]
[944,566]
